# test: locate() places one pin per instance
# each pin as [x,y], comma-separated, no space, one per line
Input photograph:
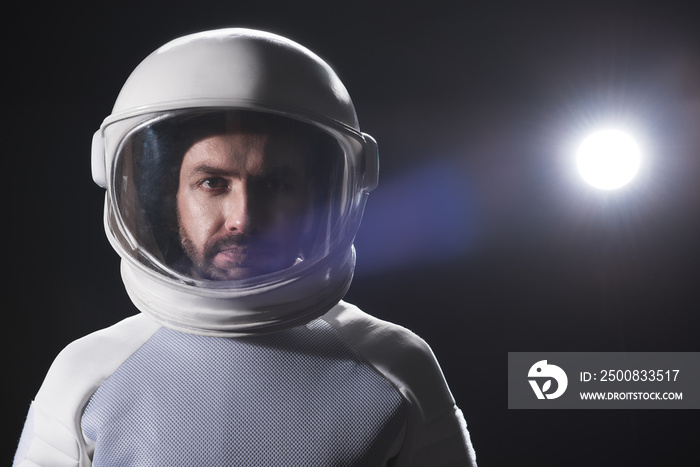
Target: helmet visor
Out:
[227,195]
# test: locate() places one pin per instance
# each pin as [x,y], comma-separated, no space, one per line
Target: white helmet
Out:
[244,76]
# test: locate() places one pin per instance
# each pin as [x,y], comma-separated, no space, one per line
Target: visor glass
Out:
[228,195]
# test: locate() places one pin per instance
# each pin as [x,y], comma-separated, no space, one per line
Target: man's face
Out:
[243,204]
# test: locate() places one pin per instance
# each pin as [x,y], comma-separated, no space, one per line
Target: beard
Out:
[235,257]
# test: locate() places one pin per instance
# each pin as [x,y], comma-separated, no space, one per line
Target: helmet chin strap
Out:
[256,309]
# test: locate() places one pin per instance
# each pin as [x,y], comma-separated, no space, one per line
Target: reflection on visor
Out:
[229,195]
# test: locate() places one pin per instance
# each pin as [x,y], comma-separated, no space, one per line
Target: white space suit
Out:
[264,368]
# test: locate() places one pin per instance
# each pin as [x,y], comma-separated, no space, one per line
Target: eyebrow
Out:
[206,169]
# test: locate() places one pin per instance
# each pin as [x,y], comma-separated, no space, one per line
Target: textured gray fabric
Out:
[299,397]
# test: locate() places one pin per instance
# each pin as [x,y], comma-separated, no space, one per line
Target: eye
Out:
[276,183]
[273,183]
[213,183]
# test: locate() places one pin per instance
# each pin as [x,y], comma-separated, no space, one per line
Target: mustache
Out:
[238,240]
[241,240]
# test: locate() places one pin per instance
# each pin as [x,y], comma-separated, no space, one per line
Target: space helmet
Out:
[273,107]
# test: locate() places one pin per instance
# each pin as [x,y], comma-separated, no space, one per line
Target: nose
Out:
[238,211]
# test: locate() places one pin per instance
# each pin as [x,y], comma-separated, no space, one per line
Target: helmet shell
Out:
[252,70]
[239,68]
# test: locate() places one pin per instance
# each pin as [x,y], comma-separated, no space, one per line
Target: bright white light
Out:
[608,159]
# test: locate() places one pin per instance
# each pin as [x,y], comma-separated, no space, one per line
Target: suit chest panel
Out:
[297,397]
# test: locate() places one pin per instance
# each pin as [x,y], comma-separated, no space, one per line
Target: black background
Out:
[481,237]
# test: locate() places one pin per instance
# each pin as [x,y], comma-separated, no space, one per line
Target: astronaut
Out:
[236,175]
